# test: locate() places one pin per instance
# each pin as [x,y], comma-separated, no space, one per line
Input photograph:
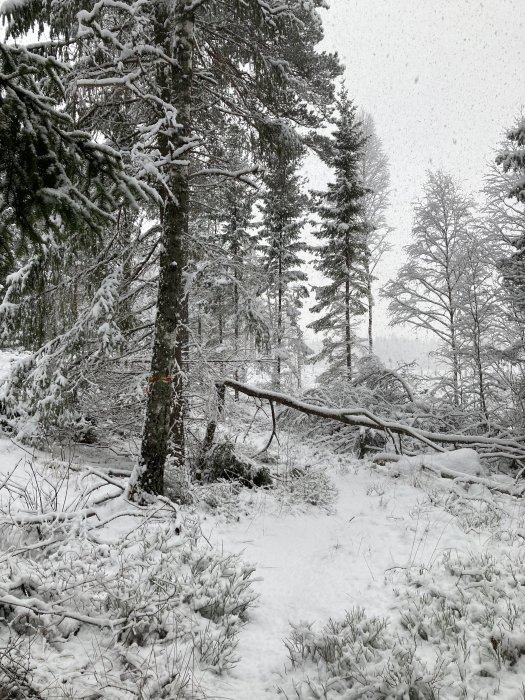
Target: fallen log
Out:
[446,473]
[361,417]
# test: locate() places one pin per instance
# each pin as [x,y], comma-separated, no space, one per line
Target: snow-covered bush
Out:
[178,483]
[311,486]
[223,499]
[151,591]
[16,672]
[470,611]
[473,511]
[356,657]
[225,462]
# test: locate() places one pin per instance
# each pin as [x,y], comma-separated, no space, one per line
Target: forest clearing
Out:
[262,350]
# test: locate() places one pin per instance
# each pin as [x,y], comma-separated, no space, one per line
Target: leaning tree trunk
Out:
[164,423]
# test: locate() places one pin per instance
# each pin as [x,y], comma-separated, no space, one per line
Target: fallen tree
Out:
[510,448]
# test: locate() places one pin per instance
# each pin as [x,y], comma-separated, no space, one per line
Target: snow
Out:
[464,460]
[312,563]
[317,565]
[6,358]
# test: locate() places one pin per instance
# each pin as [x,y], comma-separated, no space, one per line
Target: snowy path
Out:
[315,566]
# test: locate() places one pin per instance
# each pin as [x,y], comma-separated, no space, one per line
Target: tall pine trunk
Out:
[279,316]
[370,297]
[348,327]
[164,424]
[236,329]
[348,332]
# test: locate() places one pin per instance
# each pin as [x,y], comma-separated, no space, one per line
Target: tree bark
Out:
[348,332]
[279,315]
[370,310]
[348,328]
[164,424]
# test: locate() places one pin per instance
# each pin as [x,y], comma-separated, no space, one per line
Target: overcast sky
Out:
[443,79]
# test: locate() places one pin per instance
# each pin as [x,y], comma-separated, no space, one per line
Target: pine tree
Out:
[227,319]
[512,158]
[60,190]
[283,206]
[153,77]
[342,254]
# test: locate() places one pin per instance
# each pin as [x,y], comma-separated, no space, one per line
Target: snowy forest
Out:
[214,481]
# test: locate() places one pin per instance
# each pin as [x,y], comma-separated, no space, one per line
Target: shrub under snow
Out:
[143,616]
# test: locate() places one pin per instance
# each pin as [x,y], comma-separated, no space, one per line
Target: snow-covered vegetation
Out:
[195,500]
[346,577]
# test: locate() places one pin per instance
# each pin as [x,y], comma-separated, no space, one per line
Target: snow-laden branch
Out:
[39,607]
[241,174]
[52,517]
[361,417]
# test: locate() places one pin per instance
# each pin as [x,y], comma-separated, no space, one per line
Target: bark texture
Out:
[164,424]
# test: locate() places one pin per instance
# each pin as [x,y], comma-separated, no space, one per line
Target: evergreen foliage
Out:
[511,161]
[55,180]
[283,205]
[166,84]
[342,254]
[512,158]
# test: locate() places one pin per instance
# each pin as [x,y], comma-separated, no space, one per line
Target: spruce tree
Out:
[60,191]
[55,180]
[283,207]
[342,253]
[511,160]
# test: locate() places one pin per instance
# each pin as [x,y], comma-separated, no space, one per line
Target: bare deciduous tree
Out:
[376,179]
[426,292]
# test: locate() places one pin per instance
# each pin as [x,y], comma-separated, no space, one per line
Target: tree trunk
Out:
[348,332]
[370,309]
[454,349]
[164,423]
[355,416]
[348,327]
[279,316]
[221,328]
[236,329]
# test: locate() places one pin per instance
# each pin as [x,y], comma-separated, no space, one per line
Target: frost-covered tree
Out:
[55,180]
[512,158]
[511,162]
[504,222]
[283,207]
[164,81]
[375,176]
[228,323]
[342,253]
[426,291]
[60,191]
[479,323]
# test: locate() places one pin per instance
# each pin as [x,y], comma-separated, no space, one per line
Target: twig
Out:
[274,431]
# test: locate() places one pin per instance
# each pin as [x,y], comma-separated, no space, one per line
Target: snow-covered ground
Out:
[338,534]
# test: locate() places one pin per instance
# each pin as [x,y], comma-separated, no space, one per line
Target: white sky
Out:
[443,79]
